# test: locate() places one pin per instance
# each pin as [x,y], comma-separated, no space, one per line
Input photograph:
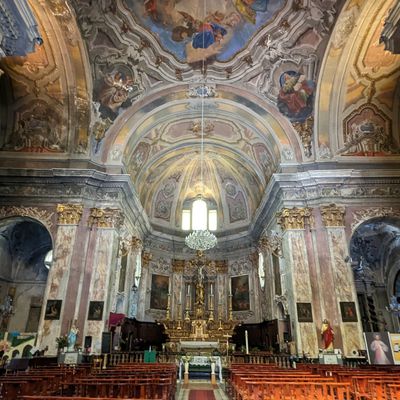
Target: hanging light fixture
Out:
[201,238]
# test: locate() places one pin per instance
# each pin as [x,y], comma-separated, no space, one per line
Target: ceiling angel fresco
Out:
[194,30]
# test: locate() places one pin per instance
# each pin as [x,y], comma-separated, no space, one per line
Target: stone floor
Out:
[183,393]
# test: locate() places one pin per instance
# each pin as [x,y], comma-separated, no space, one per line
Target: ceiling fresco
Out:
[195,30]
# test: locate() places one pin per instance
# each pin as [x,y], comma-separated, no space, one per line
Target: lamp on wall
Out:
[201,238]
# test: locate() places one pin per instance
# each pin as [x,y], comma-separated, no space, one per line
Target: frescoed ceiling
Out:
[125,84]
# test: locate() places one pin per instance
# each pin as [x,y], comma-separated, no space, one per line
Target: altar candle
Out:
[212,294]
[246,339]
[180,297]
[230,287]
[188,292]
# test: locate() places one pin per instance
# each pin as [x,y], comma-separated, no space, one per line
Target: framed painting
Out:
[348,311]
[53,309]
[304,312]
[240,293]
[159,292]
[95,310]
[379,348]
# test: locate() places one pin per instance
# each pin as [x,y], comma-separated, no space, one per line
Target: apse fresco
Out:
[194,30]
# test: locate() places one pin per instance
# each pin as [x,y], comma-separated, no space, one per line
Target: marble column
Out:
[143,293]
[270,245]
[179,297]
[342,284]
[104,224]
[298,285]
[69,217]
[133,275]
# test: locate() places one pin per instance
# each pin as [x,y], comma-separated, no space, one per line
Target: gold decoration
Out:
[363,215]
[178,266]
[221,266]
[146,258]
[105,217]
[136,244]
[332,215]
[305,131]
[295,218]
[44,216]
[271,243]
[69,214]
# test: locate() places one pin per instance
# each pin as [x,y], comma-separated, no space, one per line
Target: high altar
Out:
[200,326]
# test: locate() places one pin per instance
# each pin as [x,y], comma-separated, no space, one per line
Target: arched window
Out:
[199,214]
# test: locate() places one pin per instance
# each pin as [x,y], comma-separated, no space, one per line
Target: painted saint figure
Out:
[380,349]
[327,335]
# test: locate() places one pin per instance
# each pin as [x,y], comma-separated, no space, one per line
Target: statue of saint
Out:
[72,335]
[327,335]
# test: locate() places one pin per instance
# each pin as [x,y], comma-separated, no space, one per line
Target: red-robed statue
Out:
[327,335]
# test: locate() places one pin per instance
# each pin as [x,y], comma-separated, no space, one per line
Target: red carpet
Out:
[201,395]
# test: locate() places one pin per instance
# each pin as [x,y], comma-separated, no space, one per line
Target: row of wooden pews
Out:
[128,381]
[312,382]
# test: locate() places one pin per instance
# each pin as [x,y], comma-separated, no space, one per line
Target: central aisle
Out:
[196,386]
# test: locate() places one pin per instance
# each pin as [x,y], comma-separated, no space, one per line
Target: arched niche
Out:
[25,250]
[375,260]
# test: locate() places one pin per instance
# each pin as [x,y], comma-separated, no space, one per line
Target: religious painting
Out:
[395,343]
[159,292]
[240,293]
[296,96]
[348,311]
[95,310]
[304,312]
[53,309]
[378,348]
[195,30]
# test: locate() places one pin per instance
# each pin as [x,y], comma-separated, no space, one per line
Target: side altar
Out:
[200,326]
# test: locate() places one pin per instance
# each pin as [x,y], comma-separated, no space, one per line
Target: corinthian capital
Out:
[105,217]
[69,214]
[295,218]
[332,215]
[271,243]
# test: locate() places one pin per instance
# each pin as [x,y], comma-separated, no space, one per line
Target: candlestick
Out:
[246,339]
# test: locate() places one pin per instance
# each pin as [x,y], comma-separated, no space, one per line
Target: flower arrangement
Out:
[62,342]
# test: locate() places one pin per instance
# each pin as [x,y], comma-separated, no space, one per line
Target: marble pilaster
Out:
[342,275]
[143,293]
[297,275]
[104,223]
[69,216]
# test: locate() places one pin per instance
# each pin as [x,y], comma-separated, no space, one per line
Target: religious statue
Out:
[72,335]
[327,335]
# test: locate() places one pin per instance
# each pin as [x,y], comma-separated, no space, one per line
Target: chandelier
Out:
[201,238]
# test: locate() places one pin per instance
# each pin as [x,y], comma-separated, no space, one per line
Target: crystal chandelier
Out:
[201,239]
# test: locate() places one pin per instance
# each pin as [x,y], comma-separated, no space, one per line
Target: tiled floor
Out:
[183,393]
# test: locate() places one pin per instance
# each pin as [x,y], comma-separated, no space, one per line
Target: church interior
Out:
[211,181]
